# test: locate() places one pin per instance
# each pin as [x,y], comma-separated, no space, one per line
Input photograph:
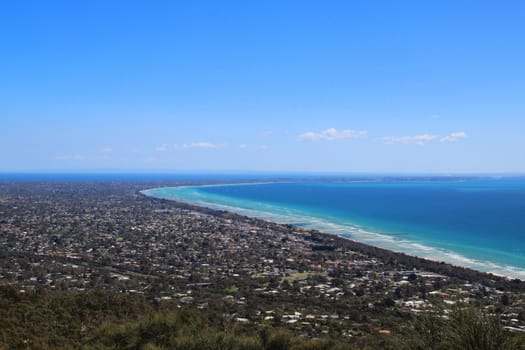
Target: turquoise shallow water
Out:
[476,223]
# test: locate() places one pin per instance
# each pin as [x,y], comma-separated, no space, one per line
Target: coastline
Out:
[109,238]
[430,263]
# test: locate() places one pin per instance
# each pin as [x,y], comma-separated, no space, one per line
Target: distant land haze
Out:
[476,223]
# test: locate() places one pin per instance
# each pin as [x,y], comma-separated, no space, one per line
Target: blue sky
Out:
[321,86]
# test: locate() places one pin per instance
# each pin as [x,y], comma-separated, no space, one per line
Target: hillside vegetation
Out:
[109,320]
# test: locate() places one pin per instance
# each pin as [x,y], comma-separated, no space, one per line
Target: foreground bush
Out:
[463,329]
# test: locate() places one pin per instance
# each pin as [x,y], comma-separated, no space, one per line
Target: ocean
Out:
[477,223]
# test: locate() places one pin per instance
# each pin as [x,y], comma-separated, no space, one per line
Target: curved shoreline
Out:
[349,232]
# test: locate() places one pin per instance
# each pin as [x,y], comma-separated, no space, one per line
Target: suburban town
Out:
[109,236]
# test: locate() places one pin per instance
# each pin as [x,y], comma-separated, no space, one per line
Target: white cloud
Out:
[243,146]
[454,137]
[331,134]
[70,157]
[106,153]
[200,145]
[162,148]
[410,140]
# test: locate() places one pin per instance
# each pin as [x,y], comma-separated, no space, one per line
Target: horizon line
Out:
[247,172]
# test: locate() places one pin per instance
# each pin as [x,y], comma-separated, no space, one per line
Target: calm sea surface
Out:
[475,223]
